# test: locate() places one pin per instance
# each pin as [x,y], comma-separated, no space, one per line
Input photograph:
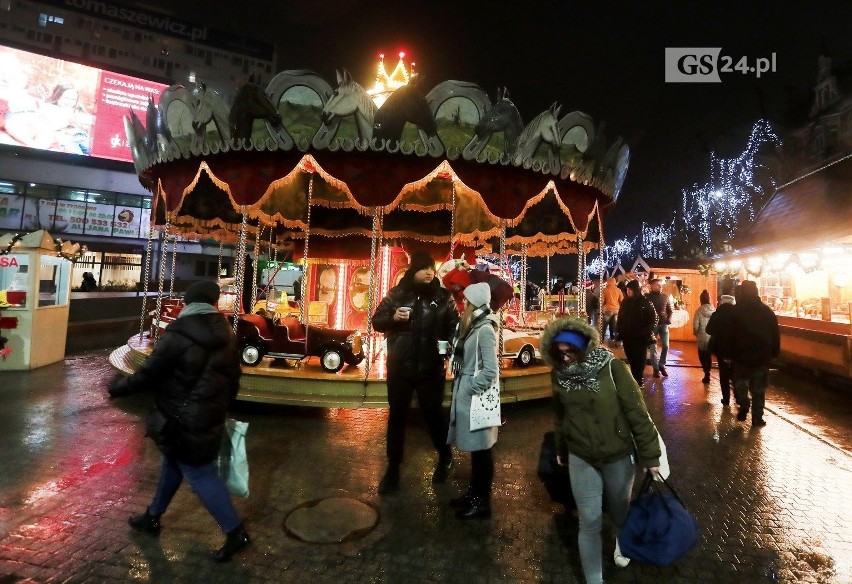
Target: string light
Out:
[388,83]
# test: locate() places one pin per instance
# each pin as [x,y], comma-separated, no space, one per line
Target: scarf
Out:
[584,374]
[197,308]
[458,349]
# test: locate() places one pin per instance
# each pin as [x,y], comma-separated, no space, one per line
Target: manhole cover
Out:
[332,520]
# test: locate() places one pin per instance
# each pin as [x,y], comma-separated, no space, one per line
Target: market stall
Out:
[799,251]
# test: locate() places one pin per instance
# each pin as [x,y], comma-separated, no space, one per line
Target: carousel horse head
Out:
[349,99]
[155,127]
[251,103]
[209,107]
[406,104]
[543,128]
[504,117]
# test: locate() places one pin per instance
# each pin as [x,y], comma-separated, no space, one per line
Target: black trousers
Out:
[430,395]
[636,352]
[706,361]
[482,473]
[726,376]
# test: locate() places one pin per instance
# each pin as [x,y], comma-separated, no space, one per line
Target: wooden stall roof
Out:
[806,212]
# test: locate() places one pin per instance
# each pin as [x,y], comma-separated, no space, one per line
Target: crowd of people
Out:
[602,426]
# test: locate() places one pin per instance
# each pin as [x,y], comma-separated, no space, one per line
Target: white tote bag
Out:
[485,406]
[233,463]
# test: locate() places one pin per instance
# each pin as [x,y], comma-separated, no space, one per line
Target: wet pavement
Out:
[773,502]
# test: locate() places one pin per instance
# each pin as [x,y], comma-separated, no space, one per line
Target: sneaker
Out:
[390,482]
[725,401]
[145,523]
[705,379]
[663,371]
[656,374]
[235,541]
[742,414]
[758,422]
[620,560]
[442,469]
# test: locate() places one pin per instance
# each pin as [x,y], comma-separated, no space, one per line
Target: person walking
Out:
[612,298]
[757,340]
[699,329]
[414,316]
[637,320]
[662,304]
[475,367]
[601,421]
[720,327]
[194,371]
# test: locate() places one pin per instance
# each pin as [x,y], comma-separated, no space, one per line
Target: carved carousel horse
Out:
[250,104]
[406,104]
[349,99]
[209,107]
[157,134]
[136,139]
[502,116]
[543,128]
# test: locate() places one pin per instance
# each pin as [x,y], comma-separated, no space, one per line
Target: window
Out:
[201,268]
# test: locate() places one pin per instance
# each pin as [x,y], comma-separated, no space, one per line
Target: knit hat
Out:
[748,288]
[635,286]
[419,261]
[478,294]
[205,291]
[572,338]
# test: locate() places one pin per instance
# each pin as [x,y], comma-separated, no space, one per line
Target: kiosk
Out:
[35,281]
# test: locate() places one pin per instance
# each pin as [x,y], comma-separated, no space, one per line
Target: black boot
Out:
[390,482]
[479,508]
[145,522]
[464,501]
[442,469]
[235,541]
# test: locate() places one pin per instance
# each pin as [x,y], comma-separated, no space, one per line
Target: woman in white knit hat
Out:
[475,367]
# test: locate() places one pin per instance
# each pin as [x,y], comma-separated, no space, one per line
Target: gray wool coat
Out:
[466,384]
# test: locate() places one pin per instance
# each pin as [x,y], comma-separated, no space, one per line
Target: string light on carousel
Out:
[349,182]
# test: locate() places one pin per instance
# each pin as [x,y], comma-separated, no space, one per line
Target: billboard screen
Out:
[60,106]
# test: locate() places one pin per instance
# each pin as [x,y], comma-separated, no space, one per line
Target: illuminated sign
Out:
[56,105]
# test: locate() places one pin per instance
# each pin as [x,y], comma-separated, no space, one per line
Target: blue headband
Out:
[572,338]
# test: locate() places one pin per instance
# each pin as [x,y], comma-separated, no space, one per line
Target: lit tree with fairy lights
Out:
[712,215]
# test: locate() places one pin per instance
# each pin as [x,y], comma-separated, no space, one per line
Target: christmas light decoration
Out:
[610,256]
[387,84]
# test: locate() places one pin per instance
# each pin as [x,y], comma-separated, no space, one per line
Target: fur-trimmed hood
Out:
[570,323]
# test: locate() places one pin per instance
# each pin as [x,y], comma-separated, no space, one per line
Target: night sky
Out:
[603,58]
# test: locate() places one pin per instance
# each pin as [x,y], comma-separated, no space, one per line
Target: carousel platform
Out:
[304,383]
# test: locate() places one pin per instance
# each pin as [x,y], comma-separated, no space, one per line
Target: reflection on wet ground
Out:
[772,502]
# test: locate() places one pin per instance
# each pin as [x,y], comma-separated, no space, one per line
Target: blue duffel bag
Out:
[659,529]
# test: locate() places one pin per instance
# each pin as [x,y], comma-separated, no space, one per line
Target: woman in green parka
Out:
[601,425]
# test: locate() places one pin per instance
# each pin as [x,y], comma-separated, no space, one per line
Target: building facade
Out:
[81,196]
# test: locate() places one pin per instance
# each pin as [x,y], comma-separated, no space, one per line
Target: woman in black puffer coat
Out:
[194,372]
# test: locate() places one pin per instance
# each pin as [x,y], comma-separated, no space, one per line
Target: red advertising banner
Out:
[56,105]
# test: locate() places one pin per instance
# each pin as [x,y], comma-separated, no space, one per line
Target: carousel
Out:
[316,174]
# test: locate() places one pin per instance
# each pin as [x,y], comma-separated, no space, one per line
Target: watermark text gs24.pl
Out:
[706,65]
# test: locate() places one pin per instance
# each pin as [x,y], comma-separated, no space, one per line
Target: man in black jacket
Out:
[720,327]
[194,371]
[414,316]
[636,322]
[757,340]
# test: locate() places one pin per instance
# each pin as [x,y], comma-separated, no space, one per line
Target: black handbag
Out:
[554,477]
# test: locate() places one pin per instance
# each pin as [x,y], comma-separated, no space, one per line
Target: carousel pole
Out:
[547,282]
[581,276]
[371,296]
[174,261]
[256,263]
[219,265]
[502,277]
[161,278]
[600,280]
[523,306]
[240,269]
[145,276]
[304,307]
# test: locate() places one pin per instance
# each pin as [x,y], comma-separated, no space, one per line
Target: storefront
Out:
[799,252]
